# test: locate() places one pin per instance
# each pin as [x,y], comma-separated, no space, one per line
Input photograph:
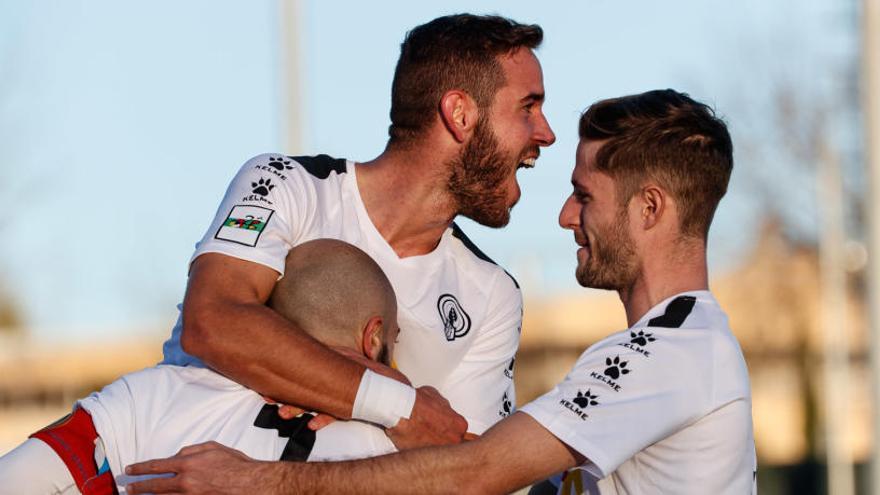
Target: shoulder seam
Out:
[675,314]
[321,166]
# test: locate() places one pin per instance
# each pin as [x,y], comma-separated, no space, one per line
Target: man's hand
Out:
[286,411]
[432,422]
[206,468]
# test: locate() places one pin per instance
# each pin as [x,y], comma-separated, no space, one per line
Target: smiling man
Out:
[663,406]
[466,114]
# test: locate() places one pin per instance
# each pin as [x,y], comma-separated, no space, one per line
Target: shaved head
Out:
[331,290]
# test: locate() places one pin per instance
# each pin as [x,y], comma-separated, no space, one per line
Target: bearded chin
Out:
[491,212]
[597,279]
[613,264]
[477,179]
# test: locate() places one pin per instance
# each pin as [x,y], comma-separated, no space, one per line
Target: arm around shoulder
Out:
[227,324]
[516,452]
[220,288]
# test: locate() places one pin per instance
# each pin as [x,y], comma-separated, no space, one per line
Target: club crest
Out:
[456,323]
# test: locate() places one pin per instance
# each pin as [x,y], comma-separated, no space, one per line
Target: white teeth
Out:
[528,162]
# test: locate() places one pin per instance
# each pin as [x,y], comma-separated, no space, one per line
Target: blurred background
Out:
[121,124]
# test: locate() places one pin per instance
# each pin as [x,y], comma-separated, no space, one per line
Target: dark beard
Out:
[612,262]
[477,178]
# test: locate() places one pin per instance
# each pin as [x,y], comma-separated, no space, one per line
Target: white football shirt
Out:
[662,407]
[459,313]
[155,412]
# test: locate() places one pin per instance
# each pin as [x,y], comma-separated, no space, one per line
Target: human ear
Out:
[459,114]
[652,205]
[371,342]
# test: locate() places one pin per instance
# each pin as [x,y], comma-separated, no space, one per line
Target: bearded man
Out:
[466,113]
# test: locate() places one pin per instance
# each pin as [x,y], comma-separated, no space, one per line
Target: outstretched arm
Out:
[514,453]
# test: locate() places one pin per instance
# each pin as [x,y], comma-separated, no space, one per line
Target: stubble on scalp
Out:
[477,176]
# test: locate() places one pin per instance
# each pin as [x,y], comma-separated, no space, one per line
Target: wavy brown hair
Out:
[668,137]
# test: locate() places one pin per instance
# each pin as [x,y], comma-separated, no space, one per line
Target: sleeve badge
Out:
[244,224]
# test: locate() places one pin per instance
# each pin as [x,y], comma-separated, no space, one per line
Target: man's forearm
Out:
[514,453]
[435,470]
[227,324]
[214,469]
[274,358]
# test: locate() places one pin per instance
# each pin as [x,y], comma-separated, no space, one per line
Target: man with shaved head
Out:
[332,290]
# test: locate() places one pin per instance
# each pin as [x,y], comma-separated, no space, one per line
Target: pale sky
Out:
[121,124]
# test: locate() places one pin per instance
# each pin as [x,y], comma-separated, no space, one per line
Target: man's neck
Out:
[662,277]
[406,197]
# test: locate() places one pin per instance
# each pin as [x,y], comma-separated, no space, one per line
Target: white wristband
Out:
[382,400]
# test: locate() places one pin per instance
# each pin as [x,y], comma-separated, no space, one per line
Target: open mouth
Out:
[528,163]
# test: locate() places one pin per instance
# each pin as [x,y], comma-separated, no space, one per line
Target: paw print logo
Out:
[586,399]
[506,406]
[279,163]
[615,368]
[641,338]
[262,187]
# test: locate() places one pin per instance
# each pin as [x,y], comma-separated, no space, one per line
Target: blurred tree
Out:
[800,107]
[11,314]
[11,321]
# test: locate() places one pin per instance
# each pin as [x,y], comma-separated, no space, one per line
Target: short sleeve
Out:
[481,387]
[264,213]
[113,411]
[628,392]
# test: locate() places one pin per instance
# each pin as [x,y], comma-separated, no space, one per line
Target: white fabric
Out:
[468,368]
[155,412]
[679,421]
[33,468]
[382,400]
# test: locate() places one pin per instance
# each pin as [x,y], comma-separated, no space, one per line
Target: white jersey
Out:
[459,313]
[662,407]
[155,412]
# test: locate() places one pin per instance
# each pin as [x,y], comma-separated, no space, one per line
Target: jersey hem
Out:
[267,262]
[584,447]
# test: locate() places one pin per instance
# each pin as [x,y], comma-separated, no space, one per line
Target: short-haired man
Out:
[661,407]
[333,291]
[466,114]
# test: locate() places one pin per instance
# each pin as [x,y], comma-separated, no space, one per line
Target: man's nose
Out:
[543,133]
[569,216]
